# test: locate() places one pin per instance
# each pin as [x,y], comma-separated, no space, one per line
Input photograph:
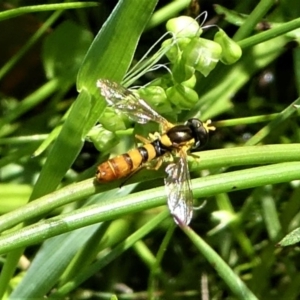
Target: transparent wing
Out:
[128,103]
[178,188]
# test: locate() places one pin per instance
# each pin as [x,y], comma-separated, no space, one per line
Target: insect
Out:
[175,140]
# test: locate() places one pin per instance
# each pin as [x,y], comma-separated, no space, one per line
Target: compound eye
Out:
[199,132]
[194,123]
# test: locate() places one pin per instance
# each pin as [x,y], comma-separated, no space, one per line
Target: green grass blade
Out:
[274,124]
[112,208]
[208,159]
[12,13]
[127,17]
[111,255]
[50,262]
[256,16]
[230,278]
[65,148]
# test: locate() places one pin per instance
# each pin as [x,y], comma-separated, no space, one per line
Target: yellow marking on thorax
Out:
[165,140]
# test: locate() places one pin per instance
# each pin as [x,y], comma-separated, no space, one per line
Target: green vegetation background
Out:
[62,235]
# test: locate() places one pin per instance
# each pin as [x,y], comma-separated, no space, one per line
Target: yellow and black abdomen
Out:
[122,165]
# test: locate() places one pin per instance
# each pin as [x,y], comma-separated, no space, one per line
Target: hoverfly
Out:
[175,140]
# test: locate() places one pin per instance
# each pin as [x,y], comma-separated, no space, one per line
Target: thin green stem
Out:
[209,159]
[256,15]
[31,101]
[115,208]
[156,267]
[167,12]
[12,13]
[245,120]
[8,270]
[274,124]
[23,139]
[236,285]
[103,261]
[37,35]
[269,34]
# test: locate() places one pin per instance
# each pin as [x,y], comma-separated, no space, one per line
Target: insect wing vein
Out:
[129,103]
[178,188]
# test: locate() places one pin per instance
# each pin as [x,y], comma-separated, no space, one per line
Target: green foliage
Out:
[64,235]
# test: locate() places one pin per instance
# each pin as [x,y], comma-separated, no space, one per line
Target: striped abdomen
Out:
[122,165]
